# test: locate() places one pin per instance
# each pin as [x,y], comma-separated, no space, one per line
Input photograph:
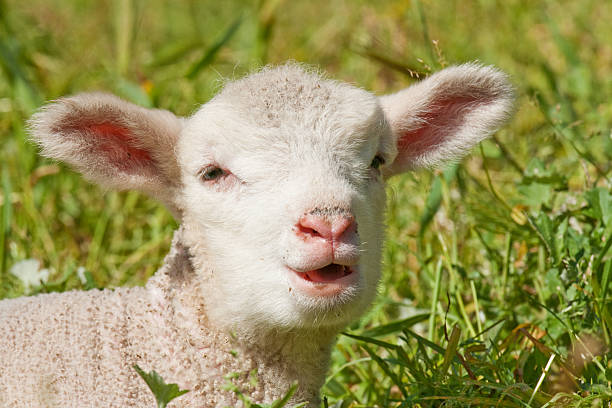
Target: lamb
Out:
[279,185]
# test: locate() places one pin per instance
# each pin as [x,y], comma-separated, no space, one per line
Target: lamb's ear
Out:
[442,117]
[112,142]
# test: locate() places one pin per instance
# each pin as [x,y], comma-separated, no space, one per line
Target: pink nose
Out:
[330,228]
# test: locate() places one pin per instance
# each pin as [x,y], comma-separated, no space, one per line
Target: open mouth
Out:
[328,281]
[327,274]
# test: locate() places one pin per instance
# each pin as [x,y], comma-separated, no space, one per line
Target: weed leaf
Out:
[164,393]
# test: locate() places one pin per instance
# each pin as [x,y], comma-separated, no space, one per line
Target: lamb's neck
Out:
[284,358]
[279,357]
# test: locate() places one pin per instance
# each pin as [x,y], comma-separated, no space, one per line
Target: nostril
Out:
[315,226]
[308,231]
[330,228]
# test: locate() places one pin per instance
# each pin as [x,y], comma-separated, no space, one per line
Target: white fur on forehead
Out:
[295,93]
[288,116]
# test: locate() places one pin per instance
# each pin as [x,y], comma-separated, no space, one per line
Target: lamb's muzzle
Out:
[330,248]
[328,239]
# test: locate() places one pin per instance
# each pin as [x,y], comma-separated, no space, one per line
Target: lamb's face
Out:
[284,199]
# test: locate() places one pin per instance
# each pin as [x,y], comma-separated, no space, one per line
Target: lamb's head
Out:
[279,181]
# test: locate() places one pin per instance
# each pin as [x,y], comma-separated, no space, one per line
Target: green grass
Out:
[497,271]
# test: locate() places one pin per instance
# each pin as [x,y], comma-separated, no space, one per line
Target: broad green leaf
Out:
[164,393]
[600,204]
[538,172]
[535,195]
[554,286]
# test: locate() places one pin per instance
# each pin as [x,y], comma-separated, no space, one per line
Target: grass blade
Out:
[537,387]
[394,327]
[434,302]
[124,26]
[285,399]
[451,349]
[211,53]
[6,220]
[380,343]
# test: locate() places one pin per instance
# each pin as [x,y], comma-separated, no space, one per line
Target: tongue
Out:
[329,273]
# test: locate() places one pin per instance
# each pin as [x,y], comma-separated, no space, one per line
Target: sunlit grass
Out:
[495,267]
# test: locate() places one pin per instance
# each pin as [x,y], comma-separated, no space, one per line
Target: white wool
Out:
[277,145]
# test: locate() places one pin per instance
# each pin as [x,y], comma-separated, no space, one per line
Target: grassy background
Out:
[497,271]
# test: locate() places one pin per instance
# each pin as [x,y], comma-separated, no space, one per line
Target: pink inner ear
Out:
[413,142]
[116,143]
[440,122]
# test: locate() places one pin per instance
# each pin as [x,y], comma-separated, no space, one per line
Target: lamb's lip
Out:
[308,287]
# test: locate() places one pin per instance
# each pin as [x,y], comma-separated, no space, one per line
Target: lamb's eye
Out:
[211,173]
[377,162]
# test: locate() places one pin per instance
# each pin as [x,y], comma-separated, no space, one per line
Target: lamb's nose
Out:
[331,228]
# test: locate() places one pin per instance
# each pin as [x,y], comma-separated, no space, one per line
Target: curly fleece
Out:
[63,346]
